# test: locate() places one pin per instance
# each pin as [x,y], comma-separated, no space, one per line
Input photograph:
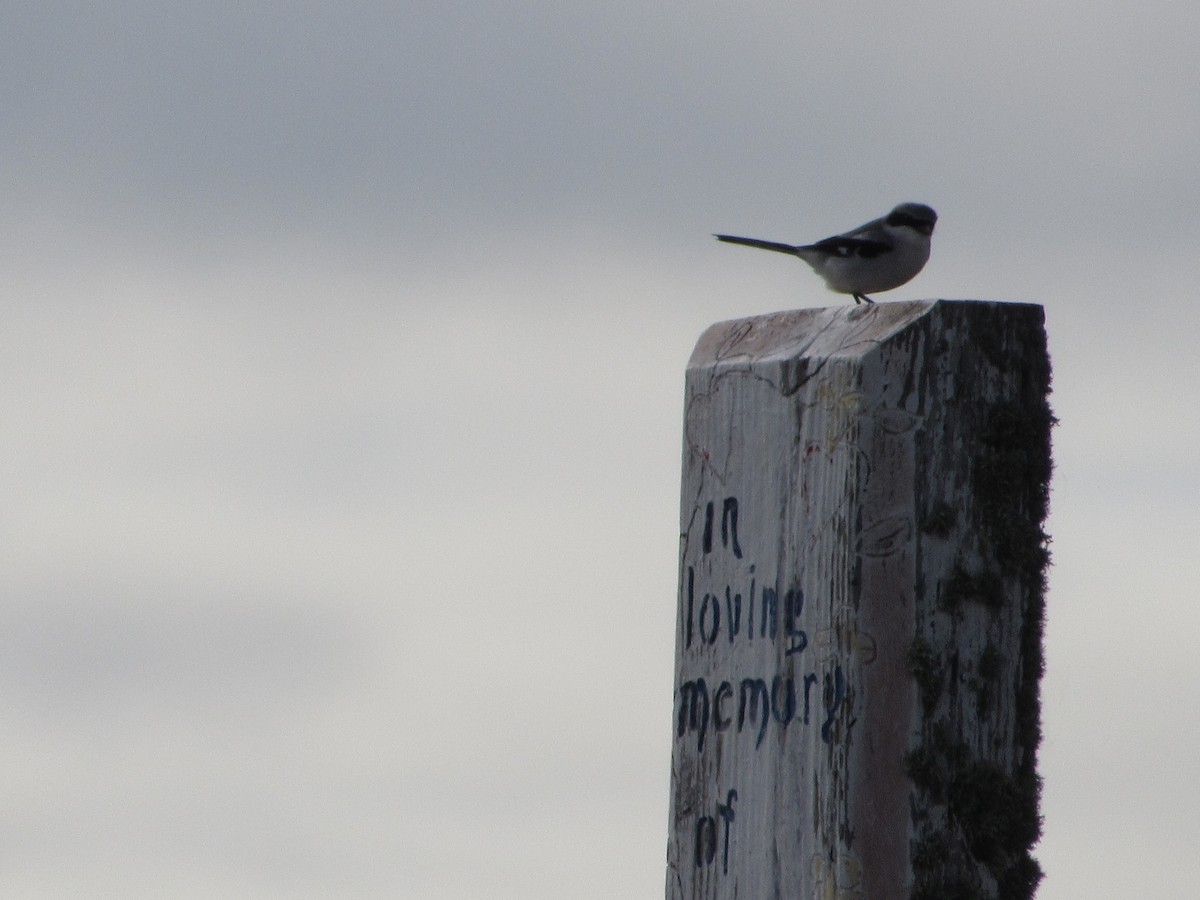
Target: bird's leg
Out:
[863,298]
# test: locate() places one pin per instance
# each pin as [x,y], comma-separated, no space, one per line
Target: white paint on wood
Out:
[818,444]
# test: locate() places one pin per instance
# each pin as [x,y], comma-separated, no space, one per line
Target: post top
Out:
[825,332]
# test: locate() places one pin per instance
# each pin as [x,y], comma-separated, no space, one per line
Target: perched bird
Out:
[878,256]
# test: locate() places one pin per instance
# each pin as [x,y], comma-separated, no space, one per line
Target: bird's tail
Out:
[755,242]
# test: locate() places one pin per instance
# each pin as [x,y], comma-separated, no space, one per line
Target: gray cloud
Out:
[342,356]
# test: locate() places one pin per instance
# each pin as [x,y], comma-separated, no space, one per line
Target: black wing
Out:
[850,246]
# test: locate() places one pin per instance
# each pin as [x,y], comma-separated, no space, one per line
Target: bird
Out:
[883,254]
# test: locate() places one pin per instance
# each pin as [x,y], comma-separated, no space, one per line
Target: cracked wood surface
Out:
[859,623]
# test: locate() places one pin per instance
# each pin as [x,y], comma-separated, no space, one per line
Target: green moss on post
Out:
[983,806]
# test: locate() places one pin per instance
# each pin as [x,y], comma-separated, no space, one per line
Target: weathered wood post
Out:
[861,586]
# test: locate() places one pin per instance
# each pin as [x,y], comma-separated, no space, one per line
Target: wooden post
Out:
[861,587]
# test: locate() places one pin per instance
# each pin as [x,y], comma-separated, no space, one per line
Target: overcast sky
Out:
[341,368]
